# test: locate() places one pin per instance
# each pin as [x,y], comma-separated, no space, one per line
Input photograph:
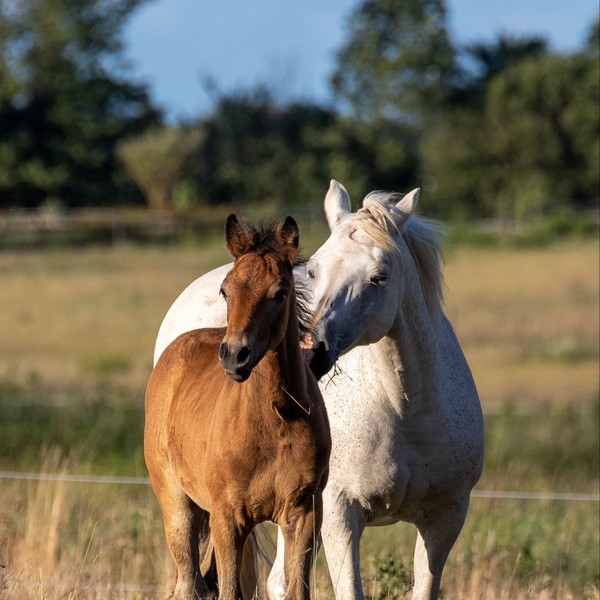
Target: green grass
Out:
[544,447]
[103,426]
[537,448]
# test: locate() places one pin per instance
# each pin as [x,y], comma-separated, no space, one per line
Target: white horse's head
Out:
[357,278]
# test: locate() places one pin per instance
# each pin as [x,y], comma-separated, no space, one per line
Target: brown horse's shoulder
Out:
[201,340]
[199,346]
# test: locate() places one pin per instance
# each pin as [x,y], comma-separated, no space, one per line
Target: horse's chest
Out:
[261,472]
[388,465]
[367,460]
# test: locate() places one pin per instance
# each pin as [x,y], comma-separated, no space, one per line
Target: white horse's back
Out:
[199,305]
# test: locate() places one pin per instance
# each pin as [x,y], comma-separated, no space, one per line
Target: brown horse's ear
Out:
[237,236]
[290,237]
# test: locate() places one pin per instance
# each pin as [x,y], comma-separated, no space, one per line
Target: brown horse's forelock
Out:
[266,241]
[264,238]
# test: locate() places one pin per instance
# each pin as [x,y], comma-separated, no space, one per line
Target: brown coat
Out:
[236,431]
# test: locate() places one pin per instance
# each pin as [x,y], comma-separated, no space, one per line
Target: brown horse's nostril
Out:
[243,355]
[223,351]
[232,356]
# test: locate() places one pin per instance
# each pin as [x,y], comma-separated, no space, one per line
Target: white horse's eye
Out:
[310,271]
[379,279]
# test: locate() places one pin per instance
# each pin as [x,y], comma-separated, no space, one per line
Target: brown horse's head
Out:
[259,291]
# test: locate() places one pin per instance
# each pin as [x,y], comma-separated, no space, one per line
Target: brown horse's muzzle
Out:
[235,357]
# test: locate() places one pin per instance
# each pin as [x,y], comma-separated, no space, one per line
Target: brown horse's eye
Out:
[223,294]
[280,295]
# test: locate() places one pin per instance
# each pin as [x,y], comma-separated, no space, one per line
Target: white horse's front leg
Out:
[343,525]
[276,580]
[437,533]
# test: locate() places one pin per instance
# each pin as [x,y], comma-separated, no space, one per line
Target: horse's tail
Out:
[255,560]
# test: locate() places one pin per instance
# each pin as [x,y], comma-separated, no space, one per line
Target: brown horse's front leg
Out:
[300,531]
[183,521]
[228,541]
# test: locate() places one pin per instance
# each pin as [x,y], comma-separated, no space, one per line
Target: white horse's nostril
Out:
[323,345]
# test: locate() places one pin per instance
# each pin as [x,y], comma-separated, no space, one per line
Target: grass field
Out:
[78,329]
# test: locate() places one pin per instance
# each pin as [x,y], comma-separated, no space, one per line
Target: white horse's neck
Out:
[410,353]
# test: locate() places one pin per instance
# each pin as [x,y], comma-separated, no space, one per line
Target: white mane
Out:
[378,218]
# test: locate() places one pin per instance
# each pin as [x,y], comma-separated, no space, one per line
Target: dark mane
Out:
[264,237]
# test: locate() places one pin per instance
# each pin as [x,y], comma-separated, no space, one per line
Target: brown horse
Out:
[233,444]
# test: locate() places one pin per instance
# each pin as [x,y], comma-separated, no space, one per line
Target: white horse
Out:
[405,417]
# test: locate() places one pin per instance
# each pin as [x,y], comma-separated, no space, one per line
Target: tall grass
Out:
[107,541]
[77,541]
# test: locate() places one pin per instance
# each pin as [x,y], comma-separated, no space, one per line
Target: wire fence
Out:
[51,227]
[115,480]
[150,590]
[26,229]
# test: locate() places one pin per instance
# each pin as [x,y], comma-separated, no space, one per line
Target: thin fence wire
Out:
[115,480]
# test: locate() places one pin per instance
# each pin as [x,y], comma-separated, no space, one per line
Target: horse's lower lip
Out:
[321,362]
[238,376]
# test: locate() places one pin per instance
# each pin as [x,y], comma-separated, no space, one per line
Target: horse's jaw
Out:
[321,361]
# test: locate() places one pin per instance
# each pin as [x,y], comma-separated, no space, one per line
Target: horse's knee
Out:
[436,536]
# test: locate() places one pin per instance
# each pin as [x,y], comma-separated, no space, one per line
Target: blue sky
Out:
[174,44]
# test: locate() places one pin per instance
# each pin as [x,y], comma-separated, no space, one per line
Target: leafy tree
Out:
[459,174]
[397,62]
[256,151]
[62,107]
[592,47]
[532,146]
[367,156]
[544,115]
[493,57]
[156,161]
[484,60]
[458,158]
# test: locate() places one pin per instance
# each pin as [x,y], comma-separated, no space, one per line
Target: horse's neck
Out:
[410,353]
[284,368]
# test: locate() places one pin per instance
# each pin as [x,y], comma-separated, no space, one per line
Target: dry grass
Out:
[77,541]
[527,319]
[71,316]
[98,543]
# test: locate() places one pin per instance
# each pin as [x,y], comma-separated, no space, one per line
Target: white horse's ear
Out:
[337,203]
[406,207]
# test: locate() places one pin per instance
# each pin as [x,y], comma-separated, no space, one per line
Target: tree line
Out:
[501,128]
